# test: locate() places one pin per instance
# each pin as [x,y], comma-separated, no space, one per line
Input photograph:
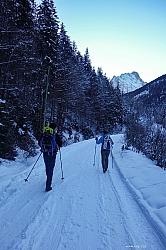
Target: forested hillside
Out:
[39,62]
[44,78]
[145,119]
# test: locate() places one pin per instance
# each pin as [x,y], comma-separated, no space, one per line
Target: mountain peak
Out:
[128,82]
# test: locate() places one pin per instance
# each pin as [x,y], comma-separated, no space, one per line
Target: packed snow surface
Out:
[125,208]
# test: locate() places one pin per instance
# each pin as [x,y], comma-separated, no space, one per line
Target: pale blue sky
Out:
[122,35]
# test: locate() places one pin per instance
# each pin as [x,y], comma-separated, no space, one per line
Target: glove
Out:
[96,138]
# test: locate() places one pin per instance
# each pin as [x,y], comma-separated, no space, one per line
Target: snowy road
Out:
[88,210]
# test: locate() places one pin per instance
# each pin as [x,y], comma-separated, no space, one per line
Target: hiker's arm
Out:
[112,142]
[40,140]
[58,141]
[100,140]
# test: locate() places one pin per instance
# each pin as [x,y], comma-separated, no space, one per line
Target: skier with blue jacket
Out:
[106,146]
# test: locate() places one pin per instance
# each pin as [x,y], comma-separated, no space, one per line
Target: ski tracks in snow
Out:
[88,210]
[130,228]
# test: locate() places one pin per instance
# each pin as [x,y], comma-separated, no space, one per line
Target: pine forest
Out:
[44,78]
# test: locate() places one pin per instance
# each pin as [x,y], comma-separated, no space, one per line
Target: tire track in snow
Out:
[123,216]
[137,225]
[81,228]
[112,214]
[43,231]
[157,229]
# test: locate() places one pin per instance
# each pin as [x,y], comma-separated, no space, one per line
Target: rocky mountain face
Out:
[128,82]
[145,119]
[152,94]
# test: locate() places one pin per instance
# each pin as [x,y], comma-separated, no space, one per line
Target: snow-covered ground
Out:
[125,208]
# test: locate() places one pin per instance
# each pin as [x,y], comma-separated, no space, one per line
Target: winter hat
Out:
[53,125]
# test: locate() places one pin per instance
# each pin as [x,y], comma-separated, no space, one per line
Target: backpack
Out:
[48,141]
[107,142]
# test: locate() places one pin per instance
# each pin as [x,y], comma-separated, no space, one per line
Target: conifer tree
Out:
[18,61]
[48,42]
[64,75]
[24,14]
[87,62]
[48,23]
[34,52]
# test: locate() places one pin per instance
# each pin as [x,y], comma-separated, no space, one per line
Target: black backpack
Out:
[48,141]
[107,142]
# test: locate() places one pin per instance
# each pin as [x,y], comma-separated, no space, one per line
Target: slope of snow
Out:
[128,82]
[122,209]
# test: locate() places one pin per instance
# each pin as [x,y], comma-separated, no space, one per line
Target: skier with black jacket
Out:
[107,144]
[49,142]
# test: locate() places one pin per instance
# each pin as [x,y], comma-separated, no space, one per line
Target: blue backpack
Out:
[48,141]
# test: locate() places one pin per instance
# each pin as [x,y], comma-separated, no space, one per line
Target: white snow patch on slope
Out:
[128,82]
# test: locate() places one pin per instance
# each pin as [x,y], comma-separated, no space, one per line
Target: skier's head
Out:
[53,125]
[105,132]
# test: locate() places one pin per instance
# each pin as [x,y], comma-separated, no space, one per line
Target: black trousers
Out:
[104,159]
[49,161]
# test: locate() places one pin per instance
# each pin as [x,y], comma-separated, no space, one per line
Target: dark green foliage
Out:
[145,120]
[23,10]
[36,52]
[7,145]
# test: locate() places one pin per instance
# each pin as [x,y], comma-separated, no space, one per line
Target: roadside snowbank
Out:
[147,180]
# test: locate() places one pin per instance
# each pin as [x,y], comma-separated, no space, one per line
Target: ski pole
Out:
[94,156]
[32,168]
[61,164]
[112,158]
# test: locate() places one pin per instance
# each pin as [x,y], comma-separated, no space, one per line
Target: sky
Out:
[124,208]
[122,36]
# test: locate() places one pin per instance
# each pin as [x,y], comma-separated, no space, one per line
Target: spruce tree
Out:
[48,43]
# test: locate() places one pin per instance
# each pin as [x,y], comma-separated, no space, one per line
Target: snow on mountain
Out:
[125,208]
[128,82]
